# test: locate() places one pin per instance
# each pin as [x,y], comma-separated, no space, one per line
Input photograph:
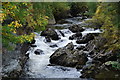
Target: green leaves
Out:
[114,64]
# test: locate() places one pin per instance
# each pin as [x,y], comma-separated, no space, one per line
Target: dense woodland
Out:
[21,20]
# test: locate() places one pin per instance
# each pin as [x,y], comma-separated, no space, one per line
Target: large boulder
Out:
[76,28]
[96,43]
[50,33]
[85,39]
[69,57]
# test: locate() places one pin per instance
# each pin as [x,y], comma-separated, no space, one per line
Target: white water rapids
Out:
[36,67]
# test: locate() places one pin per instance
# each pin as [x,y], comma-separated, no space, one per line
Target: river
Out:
[37,65]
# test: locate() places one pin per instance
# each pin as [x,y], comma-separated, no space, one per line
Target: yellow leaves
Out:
[107,18]
[9,25]
[98,10]
[2,16]
[15,24]
[4,34]
[25,3]
[46,17]
[14,7]
[14,31]
[27,38]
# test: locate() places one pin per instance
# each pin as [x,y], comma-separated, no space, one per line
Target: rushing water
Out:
[37,65]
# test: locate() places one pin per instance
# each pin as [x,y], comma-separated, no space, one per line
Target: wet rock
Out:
[27,55]
[80,47]
[69,46]
[33,45]
[79,66]
[53,46]
[63,21]
[50,33]
[107,56]
[76,35]
[51,65]
[38,52]
[76,28]
[66,56]
[72,37]
[89,71]
[47,39]
[85,39]
[62,33]
[94,46]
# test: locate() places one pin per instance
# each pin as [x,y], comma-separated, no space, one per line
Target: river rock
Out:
[85,39]
[69,46]
[96,43]
[66,56]
[62,33]
[50,33]
[38,52]
[76,28]
[106,56]
[76,35]
[89,71]
[53,46]
[80,47]
[33,45]
[47,39]
[63,21]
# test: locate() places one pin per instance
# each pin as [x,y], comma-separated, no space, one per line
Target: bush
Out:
[92,7]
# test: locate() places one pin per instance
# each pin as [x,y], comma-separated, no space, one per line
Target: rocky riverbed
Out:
[56,52]
[69,50]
